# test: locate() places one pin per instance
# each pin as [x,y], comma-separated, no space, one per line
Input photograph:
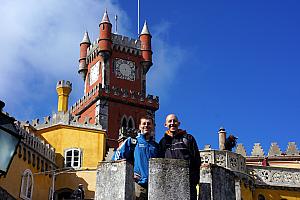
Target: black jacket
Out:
[182,146]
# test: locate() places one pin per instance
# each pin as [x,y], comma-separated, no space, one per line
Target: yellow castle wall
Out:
[246,192]
[93,146]
[270,194]
[12,181]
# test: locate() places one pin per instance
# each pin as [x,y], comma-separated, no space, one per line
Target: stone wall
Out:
[217,183]
[168,179]
[114,181]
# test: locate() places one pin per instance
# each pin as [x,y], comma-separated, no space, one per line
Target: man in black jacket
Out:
[178,144]
[78,193]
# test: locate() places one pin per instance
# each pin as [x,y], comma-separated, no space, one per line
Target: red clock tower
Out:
[114,70]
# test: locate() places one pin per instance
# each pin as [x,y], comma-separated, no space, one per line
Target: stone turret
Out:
[145,38]
[84,44]
[105,42]
[63,89]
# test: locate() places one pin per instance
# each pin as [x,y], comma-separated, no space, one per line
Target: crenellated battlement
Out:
[34,143]
[126,41]
[274,150]
[92,51]
[63,83]
[116,94]
[62,118]
[126,44]
[119,42]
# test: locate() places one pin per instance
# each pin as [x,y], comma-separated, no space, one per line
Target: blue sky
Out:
[216,63]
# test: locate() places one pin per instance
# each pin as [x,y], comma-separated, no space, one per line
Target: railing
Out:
[272,176]
[226,159]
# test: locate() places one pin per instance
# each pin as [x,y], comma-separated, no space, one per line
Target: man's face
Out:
[172,123]
[146,126]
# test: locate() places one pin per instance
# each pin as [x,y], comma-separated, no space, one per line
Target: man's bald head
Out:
[172,123]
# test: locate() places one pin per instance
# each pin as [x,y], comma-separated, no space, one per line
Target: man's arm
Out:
[161,148]
[196,161]
[123,151]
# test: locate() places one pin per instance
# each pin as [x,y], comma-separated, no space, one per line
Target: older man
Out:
[178,144]
[143,147]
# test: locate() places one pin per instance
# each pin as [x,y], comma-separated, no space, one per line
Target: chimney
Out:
[222,138]
[63,89]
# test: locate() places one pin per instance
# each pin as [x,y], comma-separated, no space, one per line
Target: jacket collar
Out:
[179,132]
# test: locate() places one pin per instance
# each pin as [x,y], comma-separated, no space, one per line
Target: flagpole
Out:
[138,17]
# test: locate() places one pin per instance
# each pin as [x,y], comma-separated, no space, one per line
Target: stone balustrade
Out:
[35,143]
[273,176]
[226,159]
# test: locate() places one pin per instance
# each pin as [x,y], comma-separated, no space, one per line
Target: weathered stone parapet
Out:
[226,159]
[168,179]
[61,118]
[114,181]
[35,143]
[274,176]
[115,94]
[218,183]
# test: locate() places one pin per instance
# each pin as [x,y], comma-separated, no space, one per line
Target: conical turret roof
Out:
[86,38]
[105,18]
[145,29]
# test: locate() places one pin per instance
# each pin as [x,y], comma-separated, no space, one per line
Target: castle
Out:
[63,150]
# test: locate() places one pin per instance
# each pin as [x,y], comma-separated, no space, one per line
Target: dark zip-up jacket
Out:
[182,146]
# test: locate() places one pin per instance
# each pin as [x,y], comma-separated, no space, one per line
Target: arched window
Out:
[124,121]
[130,123]
[73,158]
[27,185]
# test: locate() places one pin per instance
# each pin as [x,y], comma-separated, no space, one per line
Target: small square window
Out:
[73,158]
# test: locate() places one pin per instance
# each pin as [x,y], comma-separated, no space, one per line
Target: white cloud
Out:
[40,45]
[167,59]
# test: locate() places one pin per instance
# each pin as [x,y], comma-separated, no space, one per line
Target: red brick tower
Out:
[114,70]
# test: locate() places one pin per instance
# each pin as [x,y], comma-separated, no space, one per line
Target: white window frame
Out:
[72,157]
[97,112]
[26,178]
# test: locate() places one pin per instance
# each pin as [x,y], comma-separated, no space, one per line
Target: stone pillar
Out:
[238,193]
[205,183]
[217,183]
[114,181]
[168,179]
[222,138]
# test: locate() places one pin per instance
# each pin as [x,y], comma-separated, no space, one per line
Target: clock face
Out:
[94,73]
[125,69]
